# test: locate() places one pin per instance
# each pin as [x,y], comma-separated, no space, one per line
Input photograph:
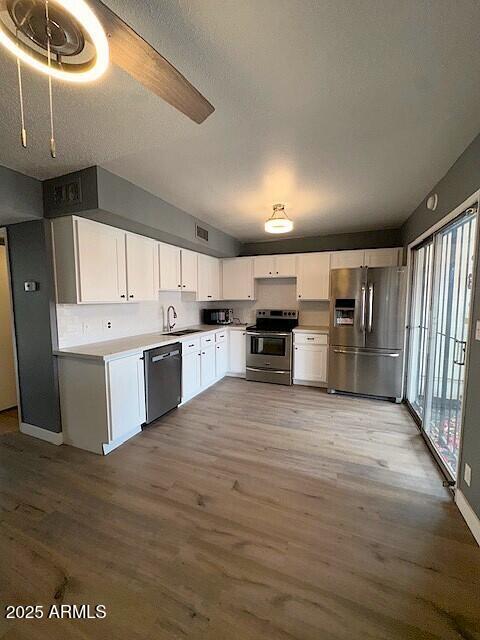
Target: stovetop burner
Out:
[280,320]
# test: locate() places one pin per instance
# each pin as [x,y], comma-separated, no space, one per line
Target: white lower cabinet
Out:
[191,381]
[126,386]
[237,352]
[221,359]
[207,366]
[204,361]
[102,402]
[310,353]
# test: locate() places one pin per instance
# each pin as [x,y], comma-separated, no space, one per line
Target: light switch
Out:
[477,330]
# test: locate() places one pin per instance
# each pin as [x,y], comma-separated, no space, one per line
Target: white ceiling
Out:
[347,111]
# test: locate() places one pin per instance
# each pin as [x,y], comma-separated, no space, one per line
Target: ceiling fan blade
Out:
[138,58]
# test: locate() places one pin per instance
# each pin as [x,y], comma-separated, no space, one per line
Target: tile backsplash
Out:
[83,324]
[280,293]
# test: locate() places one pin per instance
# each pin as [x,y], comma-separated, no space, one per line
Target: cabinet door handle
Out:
[277,273]
[123,296]
[179,285]
[131,295]
[191,345]
[310,338]
[184,286]
[209,296]
[299,295]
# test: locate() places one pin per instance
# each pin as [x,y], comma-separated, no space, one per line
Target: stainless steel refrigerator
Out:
[367,327]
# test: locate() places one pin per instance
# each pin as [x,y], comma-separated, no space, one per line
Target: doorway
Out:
[441,293]
[8,382]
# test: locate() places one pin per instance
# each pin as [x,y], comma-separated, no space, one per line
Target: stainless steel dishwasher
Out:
[163,379]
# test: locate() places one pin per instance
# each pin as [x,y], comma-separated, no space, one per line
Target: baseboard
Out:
[116,443]
[41,434]
[469,515]
[231,374]
[310,383]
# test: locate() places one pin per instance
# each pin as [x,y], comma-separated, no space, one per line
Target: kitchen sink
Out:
[185,332]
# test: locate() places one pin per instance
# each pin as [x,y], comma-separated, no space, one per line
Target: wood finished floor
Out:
[8,421]
[254,512]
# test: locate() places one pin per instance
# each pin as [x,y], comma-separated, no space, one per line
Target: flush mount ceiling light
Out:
[61,38]
[278,222]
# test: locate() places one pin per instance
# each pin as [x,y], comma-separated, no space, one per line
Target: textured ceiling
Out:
[347,111]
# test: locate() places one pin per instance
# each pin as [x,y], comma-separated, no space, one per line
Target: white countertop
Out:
[306,328]
[122,347]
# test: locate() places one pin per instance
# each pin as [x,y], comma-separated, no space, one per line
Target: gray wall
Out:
[35,325]
[110,199]
[461,181]
[20,197]
[338,242]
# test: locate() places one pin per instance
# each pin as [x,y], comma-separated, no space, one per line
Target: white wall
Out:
[8,392]
[82,324]
[279,294]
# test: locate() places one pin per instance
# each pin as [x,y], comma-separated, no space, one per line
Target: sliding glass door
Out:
[439,328]
[419,327]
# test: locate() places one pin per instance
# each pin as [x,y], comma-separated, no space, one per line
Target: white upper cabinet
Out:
[280,266]
[383,257]
[169,267]
[264,266]
[142,268]
[286,265]
[237,278]
[347,259]
[177,267]
[313,279]
[189,269]
[89,261]
[367,258]
[208,278]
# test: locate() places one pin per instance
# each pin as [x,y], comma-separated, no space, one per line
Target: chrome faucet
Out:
[170,325]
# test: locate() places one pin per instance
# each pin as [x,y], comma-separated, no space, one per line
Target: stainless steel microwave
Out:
[217,316]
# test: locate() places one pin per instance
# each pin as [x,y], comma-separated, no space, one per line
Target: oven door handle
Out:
[267,370]
[268,334]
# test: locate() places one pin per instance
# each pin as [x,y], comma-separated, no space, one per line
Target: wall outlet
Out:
[467,474]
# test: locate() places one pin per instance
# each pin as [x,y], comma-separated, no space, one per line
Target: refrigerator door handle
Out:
[362,313]
[370,308]
[368,353]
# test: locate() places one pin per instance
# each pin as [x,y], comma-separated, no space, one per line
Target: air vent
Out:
[202,233]
[67,194]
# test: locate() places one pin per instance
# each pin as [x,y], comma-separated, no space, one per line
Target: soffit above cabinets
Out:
[349,122]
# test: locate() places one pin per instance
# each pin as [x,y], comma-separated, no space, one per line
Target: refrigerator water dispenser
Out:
[344,312]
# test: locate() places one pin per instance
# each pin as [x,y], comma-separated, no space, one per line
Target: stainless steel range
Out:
[269,346]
